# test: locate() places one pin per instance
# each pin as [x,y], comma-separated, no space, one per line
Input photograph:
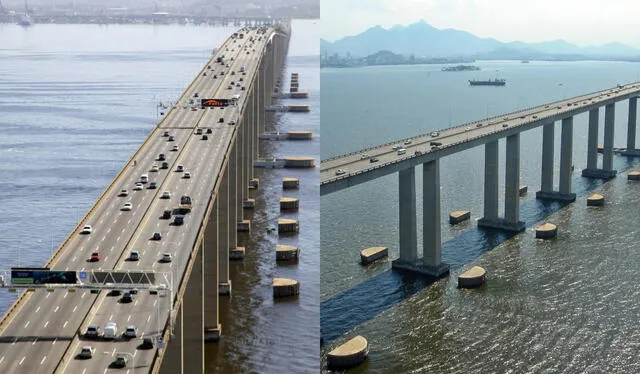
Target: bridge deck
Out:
[53,319]
[457,138]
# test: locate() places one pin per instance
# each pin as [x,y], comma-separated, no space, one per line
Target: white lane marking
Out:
[74,259]
[84,293]
[34,342]
[112,248]
[56,309]
[1,359]
[114,352]
[118,239]
[106,258]
[74,308]
[103,239]
[46,324]
[27,324]
[111,317]
[108,231]
[65,295]
[135,303]
[84,371]
[37,309]
[128,222]
[21,361]
[44,358]
[105,371]
[65,324]
[129,318]
[54,341]
[47,295]
[155,302]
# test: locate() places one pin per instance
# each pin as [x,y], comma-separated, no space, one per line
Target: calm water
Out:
[566,305]
[77,100]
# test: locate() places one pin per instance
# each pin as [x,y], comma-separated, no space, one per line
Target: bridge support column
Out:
[566,148]
[547,158]
[235,205]
[511,221]
[631,129]
[431,221]
[212,326]
[224,233]
[407,204]
[592,170]
[491,184]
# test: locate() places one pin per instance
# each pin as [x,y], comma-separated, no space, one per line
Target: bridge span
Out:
[403,156]
[204,152]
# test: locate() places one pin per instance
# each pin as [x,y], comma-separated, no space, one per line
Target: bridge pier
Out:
[631,129]
[224,233]
[566,149]
[212,326]
[548,150]
[511,220]
[592,170]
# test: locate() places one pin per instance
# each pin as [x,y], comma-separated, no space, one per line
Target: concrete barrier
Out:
[369,255]
[546,231]
[473,277]
[284,287]
[349,354]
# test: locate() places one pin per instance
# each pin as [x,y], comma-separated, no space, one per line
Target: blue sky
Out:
[583,22]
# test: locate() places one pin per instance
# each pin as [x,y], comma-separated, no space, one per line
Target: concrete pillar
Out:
[491,182]
[609,126]
[234,204]
[512,180]
[631,128]
[592,143]
[547,157]
[566,149]
[212,327]
[224,240]
[407,204]
[431,220]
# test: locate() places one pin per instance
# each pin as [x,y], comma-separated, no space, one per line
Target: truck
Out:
[110,331]
[185,204]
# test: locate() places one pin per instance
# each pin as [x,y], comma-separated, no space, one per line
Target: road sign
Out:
[82,275]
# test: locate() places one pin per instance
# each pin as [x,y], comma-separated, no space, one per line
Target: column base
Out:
[420,267]
[556,195]
[631,152]
[599,173]
[236,253]
[502,224]
[224,288]
[249,203]
[212,334]
[244,225]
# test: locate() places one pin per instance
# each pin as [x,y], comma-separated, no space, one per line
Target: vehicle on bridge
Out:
[373,159]
[178,220]
[127,207]
[93,332]
[401,151]
[156,236]
[123,193]
[121,361]
[340,172]
[110,330]
[86,229]
[87,352]
[185,204]
[95,256]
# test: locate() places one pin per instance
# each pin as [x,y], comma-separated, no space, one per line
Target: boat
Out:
[490,82]
[461,68]
[25,20]
[525,61]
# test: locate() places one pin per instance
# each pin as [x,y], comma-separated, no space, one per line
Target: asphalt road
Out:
[358,162]
[47,323]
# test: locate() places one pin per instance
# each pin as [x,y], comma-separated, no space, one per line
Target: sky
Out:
[582,22]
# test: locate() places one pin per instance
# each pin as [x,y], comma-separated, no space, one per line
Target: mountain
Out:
[424,40]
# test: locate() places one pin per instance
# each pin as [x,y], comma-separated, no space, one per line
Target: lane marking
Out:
[46,324]
[27,324]
[74,308]
[54,341]
[44,358]
[65,324]
[37,309]
[21,361]
[56,309]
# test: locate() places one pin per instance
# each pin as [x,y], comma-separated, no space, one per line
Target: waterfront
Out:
[561,306]
[74,110]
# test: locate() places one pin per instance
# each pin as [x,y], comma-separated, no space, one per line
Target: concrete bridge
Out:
[44,330]
[403,156]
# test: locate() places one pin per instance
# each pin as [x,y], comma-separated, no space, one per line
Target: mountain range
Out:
[423,40]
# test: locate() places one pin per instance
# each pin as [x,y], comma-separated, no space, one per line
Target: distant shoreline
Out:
[346,66]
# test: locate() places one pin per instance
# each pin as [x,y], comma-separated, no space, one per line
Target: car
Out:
[153,185]
[198,131]
[232,122]
[174,149]
[166,214]
[154,168]
[123,193]
[229,87]
[131,332]
[467,129]
[165,165]
[156,236]
[373,159]
[417,153]
[535,116]
[126,298]
[95,256]
[401,151]
[147,343]
[165,134]
[138,187]
[93,331]
[178,220]
[161,157]
[165,195]
[87,352]
[144,178]
[180,168]
[166,257]
[133,291]
[479,125]
[221,120]
[204,137]
[161,288]
[435,134]
[406,142]
[115,292]
[396,147]
[195,94]
[186,175]
[87,229]
[134,256]
[209,131]
[204,74]
[559,107]
[127,207]
[340,171]
[121,361]
[363,156]
[505,125]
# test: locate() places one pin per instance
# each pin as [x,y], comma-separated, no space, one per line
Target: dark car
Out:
[373,159]
[156,236]
[161,157]
[209,131]
[147,343]
[126,298]
[166,214]
[221,120]
[204,137]
[178,220]
[165,165]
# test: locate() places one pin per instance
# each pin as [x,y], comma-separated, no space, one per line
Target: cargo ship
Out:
[490,82]
[461,68]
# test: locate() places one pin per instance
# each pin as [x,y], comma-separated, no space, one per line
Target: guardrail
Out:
[489,119]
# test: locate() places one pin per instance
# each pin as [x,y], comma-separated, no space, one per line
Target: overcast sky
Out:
[582,22]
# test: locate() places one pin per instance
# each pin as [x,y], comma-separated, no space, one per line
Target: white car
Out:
[363,156]
[166,195]
[340,172]
[87,352]
[174,149]
[166,257]
[131,332]
[123,193]
[127,207]
[401,151]
[406,142]
[86,229]
[396,147]
[179,168]
[154,168]
[138,187]
[435,134]
[186,175]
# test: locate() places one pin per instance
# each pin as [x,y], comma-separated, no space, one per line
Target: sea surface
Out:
[77,100]
[567,305]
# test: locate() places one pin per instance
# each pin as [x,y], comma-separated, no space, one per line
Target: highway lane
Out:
[355,162]
[114,206]
[195,162]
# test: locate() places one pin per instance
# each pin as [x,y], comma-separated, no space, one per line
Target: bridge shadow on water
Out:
[366,300]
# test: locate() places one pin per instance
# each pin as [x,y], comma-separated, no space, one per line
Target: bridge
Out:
[203,148]
[403,156]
